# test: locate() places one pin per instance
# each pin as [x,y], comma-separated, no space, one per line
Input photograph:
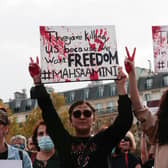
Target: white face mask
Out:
[45,143]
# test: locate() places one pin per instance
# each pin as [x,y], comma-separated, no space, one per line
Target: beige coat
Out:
[149,125]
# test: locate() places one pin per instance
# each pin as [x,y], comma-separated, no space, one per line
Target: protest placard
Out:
[78,53]
[160,47]
[11,163]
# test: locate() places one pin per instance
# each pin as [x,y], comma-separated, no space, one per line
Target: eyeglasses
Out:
[126,138]
[78,113]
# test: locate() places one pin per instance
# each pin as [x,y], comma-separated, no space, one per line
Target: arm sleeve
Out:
[55,128]
[26,162]
[149,122]
[111,136]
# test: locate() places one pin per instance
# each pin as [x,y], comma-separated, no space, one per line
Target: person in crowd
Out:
[31,149]
[153,125]
[7,152]
[82,150]
[30,145]
[147,156]
[19,141]
[123,156]
[46,157]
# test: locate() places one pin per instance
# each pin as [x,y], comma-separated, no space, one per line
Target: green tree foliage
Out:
[28,126]
[34,116]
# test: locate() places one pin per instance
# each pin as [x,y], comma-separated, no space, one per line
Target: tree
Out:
[28,126]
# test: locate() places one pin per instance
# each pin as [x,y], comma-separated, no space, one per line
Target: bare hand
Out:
[120,82]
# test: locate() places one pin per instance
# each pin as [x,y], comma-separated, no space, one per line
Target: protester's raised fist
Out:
[129,60]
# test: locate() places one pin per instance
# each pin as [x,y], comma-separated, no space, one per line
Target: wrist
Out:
[37,80]
[122,91]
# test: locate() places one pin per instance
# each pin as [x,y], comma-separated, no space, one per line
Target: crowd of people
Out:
[52,146]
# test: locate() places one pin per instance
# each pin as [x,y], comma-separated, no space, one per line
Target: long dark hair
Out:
[34,136]
[163,119]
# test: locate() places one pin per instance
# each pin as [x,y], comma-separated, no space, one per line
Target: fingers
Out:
[31,60]
[37,60]
[121,74]
[131,58]
[128,55]
[133,55]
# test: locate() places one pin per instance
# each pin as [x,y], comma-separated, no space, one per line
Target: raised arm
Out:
[144,150]
[54,125]
[142,113]
[134,93]
[109,138]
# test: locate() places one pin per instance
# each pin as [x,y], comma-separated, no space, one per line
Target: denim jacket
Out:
[13,154]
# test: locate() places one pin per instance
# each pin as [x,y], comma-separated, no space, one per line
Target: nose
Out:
[82,116]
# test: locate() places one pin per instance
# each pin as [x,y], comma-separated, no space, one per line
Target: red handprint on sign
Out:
[130,58]
[99,41]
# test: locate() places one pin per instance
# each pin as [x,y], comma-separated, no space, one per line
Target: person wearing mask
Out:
[31,149]
[19,141]
[152,125]
[8,152]
[47,156]
[30,145]
[82,150]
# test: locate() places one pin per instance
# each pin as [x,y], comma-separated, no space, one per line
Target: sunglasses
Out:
[78,113]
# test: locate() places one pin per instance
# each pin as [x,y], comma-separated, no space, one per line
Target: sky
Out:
[20,37]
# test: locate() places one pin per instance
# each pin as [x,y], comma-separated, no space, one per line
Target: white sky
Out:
[20,37]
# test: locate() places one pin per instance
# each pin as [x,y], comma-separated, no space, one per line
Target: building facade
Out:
[103,96]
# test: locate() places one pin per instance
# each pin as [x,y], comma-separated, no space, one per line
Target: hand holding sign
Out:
[129,61]
[34,70]
[120,82]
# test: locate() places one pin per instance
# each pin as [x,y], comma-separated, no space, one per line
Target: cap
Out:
[3,117]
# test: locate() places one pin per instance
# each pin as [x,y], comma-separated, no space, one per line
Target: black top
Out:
[53,162]
[4,155]
[149,163]
[119,161]
[88,152]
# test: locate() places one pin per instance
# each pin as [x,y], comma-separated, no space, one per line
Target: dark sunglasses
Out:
[78,113]
[126,138]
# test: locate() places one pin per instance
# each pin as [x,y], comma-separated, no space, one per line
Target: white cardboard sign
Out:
[160,47]
[11,163]
[78,53]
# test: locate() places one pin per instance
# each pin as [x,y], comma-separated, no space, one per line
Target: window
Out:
[98,107]
[127,85]
[147,97]
[72,96]
[149,83]
[112,90]
[165,80]
[110,107]
[101,91]
[86,94]
[28,104]
[17,106]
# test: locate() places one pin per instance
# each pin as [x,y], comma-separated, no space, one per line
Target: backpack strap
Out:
[21,154]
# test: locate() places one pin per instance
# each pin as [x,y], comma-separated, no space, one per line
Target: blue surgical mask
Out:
[45,143]
[20,146]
